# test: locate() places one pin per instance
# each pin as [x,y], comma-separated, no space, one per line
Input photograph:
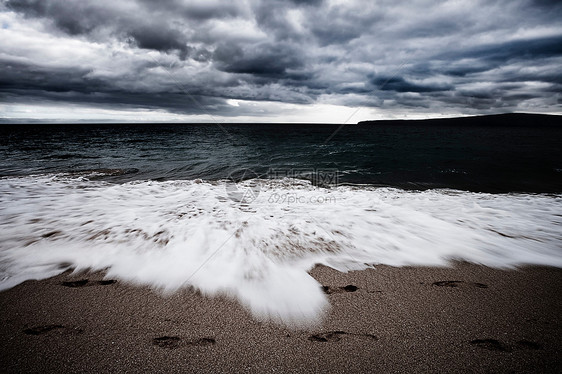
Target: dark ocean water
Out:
[410,156]
[155,204]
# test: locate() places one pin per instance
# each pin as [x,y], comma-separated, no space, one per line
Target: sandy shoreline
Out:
[467,318]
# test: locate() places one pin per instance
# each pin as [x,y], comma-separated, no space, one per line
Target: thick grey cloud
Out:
[271,60]
[196,57]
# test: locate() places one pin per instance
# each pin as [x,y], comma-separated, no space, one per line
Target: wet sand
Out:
[466,318]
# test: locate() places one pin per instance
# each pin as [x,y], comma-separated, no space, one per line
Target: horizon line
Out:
[34,121]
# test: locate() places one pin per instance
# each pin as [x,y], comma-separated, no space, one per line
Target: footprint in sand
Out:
[496,345]
[330,290]
[78,283]
[86,282]
[106,282]
[526,344]
[456,283]
[334,336]
[40,330]
[491,345]
[172,342]
[202,342]
[169,342]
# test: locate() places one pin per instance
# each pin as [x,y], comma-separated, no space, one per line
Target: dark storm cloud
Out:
[21,77]
[75,86]
[142,26]
[272,60]
[71,17]
[156,38]
[198,10]
[460,56]
[549,4]
[502,53]
[399,84]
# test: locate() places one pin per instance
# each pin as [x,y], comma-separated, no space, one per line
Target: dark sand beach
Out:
[466,318]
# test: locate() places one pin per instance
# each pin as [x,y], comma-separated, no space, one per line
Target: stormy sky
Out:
[277,60]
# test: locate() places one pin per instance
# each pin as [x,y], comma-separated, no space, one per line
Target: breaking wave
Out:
[256,240]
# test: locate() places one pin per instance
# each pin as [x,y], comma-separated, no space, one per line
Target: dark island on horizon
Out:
[503,120]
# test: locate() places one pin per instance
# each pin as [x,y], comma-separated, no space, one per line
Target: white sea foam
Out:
[193,233]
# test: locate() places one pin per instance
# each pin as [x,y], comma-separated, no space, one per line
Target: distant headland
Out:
[503,120]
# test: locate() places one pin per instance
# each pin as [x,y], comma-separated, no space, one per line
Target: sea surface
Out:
[247,209]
